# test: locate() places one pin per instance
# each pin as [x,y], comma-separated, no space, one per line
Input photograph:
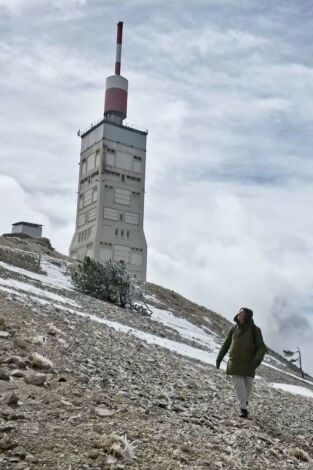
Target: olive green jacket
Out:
[246,349]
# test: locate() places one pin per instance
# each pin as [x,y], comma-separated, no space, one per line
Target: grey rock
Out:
[17,416]
[35,379]
[22,343]
[20,452]
[4,375]
[30,458]
[6,444]
[10,399]
[83,379]
[103,412]
[93,453]
[17,362]
[4,334]
[17,373]
[6,427]
[21,466]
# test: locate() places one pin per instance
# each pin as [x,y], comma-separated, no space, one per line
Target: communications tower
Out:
[111,187]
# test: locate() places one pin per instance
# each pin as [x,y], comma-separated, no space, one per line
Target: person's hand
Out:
[218,363]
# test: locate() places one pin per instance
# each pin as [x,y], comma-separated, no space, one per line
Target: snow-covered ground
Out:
[294,389]
[288,373]
[55,276]
[180,348]
[272,360]
[57,279]
[186,329]
[30,289]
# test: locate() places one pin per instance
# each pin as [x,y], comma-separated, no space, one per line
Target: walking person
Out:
[246,352]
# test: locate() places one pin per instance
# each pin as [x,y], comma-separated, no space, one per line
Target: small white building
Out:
[27,228]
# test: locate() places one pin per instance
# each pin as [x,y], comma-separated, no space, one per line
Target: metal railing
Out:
[127,125]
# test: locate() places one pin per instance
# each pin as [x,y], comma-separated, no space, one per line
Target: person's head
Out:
[244,315]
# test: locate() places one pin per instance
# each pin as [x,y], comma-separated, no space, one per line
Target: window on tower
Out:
[137,164]
[94,194]
[112,173]
[110,159]
[84,167]
[122,196]
[81,219]
[132,218]
[110,214]
[133,178]
[97,158]
[92,214]
[91,162]
[121,253]
[88,198]
[123,160]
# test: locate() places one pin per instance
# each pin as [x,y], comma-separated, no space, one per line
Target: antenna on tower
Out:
[119,38]
[115,102]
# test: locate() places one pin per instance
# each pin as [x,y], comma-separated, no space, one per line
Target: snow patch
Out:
[54,276]
[30,289]
[180,348]
[272,359]
[185,328]
[294,389]
[288,373]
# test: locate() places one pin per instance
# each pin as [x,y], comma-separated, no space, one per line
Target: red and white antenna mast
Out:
[119,40]
[115,103]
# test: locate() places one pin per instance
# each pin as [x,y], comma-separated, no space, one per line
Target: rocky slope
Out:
[87,385]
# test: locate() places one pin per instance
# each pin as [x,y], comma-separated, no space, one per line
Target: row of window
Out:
[91,179]
[110,188]
[88,197]
[132,178]
[121,253]
[84,234]
[122,233]
[131,218]
[87,217]
[90,163]
[112,173]
[122,176]
[122,196]
[120,161]
[123,160]
[128,217]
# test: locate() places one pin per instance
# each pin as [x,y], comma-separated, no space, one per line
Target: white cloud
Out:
[17,6]
[14,205]
[37,208]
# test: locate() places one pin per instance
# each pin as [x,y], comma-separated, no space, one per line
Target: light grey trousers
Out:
[243,389]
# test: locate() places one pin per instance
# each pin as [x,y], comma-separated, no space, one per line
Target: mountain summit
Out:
[87,385]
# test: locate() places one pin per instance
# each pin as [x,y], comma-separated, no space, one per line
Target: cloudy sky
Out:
[225,88]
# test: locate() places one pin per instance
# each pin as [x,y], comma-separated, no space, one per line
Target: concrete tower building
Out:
[111,189]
